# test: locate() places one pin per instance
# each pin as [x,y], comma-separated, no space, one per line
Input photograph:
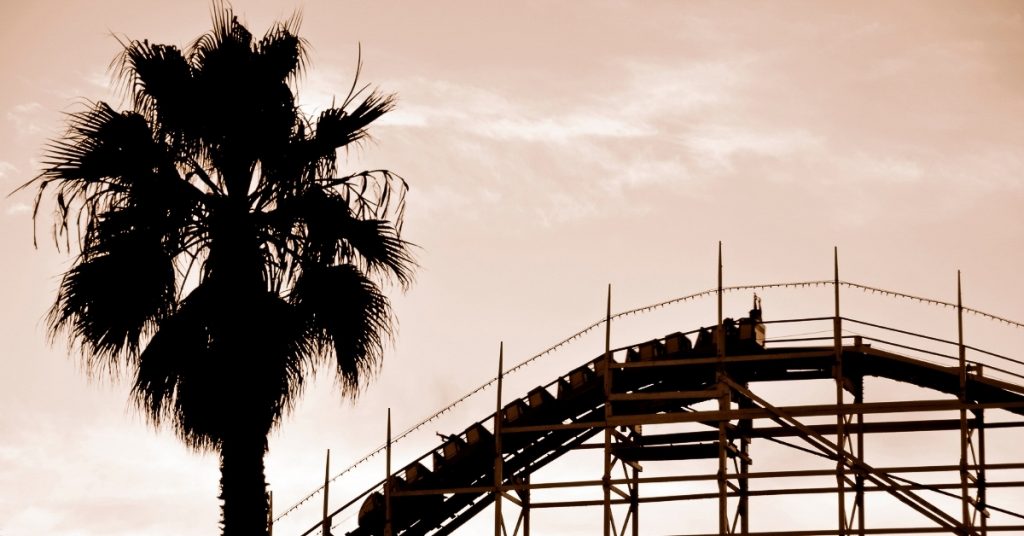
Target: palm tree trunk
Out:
[243,485]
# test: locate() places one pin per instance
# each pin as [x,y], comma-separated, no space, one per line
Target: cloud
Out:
[652,90]
[401,117]
[570,208]
[718,145]
[481,112]
[26,118]
[489,114]
[7,169]
[17,209]
[884,168]
[562,129]
[96,84]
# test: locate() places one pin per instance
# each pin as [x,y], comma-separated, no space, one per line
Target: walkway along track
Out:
[658,382]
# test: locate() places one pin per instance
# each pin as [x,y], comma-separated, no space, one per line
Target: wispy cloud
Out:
[562,129]
[26,117]
[17,209]
[883,168]
[651,90]
[717,145]
[7,169]
[484,113]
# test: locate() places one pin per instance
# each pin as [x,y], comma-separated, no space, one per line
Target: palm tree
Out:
[220,255]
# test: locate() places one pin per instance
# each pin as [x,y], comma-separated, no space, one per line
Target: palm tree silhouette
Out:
[221,256]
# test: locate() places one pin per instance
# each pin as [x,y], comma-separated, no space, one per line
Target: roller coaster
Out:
[697,396]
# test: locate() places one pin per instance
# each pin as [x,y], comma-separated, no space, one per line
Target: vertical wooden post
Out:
[837,373]
[858,398]
[724,404]
[270,513]
[499,461]
[606,479]
[326,526]
[745,427]
[965,432]
[387,481]
[720,340]
[634,501]
[525,498]
[982,506]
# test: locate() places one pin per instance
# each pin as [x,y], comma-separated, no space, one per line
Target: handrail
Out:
[798,320]
[898,345]
[936,339]
[1001,370]
[986,352]
[904,332]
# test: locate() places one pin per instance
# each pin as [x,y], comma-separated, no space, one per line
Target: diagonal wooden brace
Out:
[879,478]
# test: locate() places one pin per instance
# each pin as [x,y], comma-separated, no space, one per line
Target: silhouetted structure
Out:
[627,394]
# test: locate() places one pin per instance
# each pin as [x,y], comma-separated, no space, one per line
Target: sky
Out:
[551,149]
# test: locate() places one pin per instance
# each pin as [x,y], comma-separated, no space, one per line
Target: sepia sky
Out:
[551,149]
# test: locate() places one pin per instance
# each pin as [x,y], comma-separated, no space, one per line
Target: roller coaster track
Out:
[627,391]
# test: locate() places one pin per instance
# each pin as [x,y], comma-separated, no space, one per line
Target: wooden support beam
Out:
[883,480]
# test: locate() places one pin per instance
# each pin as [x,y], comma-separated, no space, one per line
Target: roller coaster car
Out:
[705,345]
[580,377]
[479,437]
[522,412]
[745,336]
[476,457]
[579,380]
[419,477]
[417,474]
[513,411]
[648,351]
[448,453]
[598,364]
[538,398]
[372,512]
[455,450]
[578,390]
[677,345]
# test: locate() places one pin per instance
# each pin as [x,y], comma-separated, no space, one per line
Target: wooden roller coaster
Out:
[622,402]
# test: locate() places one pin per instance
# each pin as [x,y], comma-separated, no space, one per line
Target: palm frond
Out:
[338,127]
[247,106]
[347,316]
[160,78]
[320,227]
[120,288]
[181,347]
[282,54]
[377,193]
[227,33]
[102,143]
[377,243]
[109,161]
